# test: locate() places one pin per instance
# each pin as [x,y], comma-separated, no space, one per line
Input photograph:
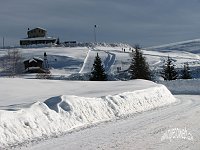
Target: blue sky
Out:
[147,22]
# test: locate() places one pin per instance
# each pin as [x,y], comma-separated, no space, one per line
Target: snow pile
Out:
[64,113]
[183,86]
[141,100]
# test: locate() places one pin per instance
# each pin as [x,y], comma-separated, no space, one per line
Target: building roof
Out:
[38,28]
[35,59]
[38,39]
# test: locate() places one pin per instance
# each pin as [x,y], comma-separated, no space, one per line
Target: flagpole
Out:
[95,36]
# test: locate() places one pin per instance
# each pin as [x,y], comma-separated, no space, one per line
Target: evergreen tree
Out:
[98,72]
[139,68]
[58,41]
[186,72]
[169,72]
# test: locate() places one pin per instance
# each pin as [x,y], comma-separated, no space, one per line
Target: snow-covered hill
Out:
[66,61]
[192,46]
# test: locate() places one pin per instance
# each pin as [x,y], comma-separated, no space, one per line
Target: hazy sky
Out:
[147,22]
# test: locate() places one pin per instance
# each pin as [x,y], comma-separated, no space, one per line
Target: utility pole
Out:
[3,43]
[95,36]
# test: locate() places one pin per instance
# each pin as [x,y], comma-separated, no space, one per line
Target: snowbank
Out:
[183,86]
[64,113]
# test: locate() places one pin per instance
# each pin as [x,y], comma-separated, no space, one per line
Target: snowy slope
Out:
[65,61]
[191,86]
[33,119]
[108,59]
[192,46]
[62,60]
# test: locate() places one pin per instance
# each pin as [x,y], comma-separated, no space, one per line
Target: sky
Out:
[144,22]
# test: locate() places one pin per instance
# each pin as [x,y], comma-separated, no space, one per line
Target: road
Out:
[141,131]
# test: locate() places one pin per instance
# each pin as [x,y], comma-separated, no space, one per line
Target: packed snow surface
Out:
[190,86]
[178,123]
[59,114]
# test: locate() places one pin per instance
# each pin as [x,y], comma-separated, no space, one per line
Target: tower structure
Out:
[45,63]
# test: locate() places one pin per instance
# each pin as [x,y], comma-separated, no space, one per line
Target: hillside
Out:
[192,46]
[76,61]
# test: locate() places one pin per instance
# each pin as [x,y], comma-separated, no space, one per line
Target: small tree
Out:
[12,63]
[186,72]
[139,68]
[169,72]
[98,71]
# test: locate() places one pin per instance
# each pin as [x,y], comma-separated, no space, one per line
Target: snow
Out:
[19,90]
[32,60]
[190,86]
[189,46]
[142,131]
[66,61]
[34,110]
[59,114]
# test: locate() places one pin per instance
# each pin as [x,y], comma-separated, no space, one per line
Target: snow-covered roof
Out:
[32,60]
[38,58]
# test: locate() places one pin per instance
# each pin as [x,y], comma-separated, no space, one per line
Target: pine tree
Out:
[98,72]
[186,72]
[169,72]
[139,68]
[58,41]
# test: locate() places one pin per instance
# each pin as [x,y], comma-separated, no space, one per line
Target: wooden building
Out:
[34,65]
[37,36]
[37,32]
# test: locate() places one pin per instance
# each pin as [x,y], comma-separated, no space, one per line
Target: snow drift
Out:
[67,112]
[190,86]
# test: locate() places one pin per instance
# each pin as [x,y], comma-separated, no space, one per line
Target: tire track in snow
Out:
[109,61]
[85,62]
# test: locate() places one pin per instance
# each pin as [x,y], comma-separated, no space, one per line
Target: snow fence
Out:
[65,113]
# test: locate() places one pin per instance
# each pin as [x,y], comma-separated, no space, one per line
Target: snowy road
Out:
[142,131]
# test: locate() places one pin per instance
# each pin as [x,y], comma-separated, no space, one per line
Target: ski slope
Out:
[107,58]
